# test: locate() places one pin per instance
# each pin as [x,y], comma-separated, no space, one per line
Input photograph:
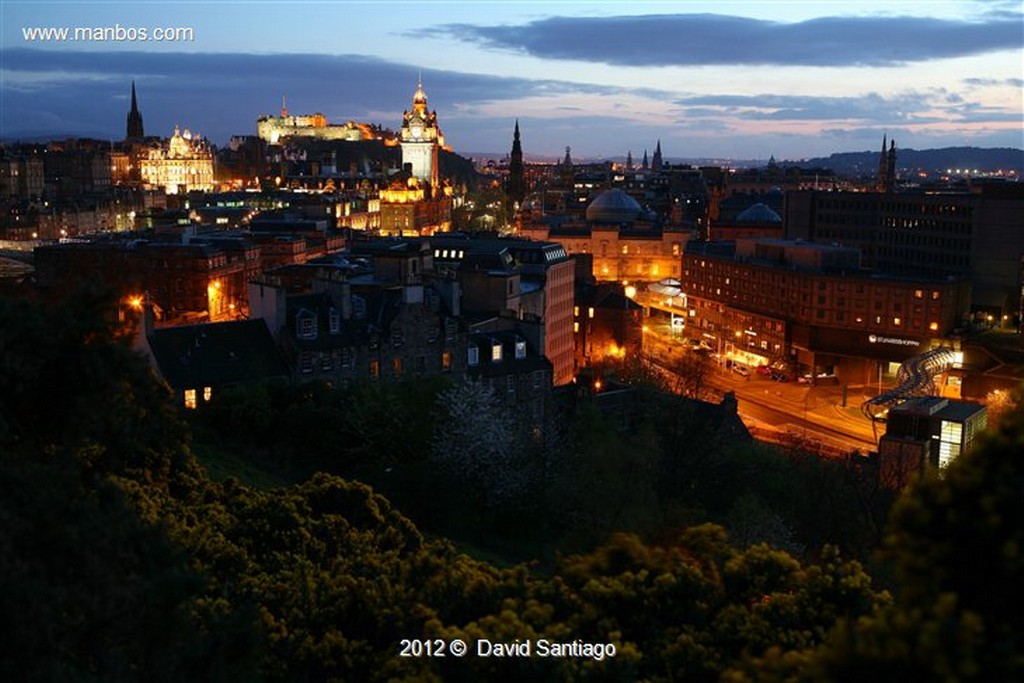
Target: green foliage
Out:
[90,593]
[299,429]
[73,386]
[120,559]
[955,545]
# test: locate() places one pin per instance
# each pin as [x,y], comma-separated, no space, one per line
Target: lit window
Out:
[396,366]
[520,349]
[576,310]
[934,327]
[935,296]
[446,361]
[374,369]
[190,399]
[576,326]
[496,352]
[207,393]
[590,312]
[918,294]
[897,321]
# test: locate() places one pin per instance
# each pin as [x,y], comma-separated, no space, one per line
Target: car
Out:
[693,343]
[741,370]
[763,370]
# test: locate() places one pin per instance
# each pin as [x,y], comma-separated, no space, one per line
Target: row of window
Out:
[496,352]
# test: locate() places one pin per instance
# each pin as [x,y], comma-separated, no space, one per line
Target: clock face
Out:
[416,131]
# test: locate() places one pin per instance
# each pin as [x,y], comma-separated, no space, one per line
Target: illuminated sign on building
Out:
[875,339]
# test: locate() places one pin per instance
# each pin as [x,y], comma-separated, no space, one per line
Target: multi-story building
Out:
[527,284]
[340,322]
[75,167]
[973,235]
[520,377]
[183,164]
[811,306]
[411,208]
[21,174]
[185,282]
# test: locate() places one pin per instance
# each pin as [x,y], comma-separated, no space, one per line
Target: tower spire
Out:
[284,105]
[516,188]
[133,129]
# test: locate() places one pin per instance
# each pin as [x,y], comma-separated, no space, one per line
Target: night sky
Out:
[709,79]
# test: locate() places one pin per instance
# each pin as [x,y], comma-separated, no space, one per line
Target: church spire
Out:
[134,130]
[656,160]
[887,166]
[516,178]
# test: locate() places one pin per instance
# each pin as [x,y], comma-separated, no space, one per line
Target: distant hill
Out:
[982,159]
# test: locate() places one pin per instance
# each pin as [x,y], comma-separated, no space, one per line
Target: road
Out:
[773,409]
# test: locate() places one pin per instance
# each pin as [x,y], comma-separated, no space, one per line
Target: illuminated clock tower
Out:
[421,138]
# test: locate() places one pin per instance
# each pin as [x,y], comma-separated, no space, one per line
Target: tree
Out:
[476,446]
[692,372]
[91,593]
[955,548]
[74,387]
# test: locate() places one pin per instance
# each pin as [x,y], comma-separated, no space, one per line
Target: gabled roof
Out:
[215,354]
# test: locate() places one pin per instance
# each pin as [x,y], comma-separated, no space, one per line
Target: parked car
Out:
[763,370]
[741,370]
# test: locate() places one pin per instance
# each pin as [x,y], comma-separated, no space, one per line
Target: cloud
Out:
[221,94]
[713,39]
[870,106]
[995,82]
[61,92]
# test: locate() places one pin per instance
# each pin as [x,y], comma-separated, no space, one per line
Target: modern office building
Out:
[977,235]
[927,433]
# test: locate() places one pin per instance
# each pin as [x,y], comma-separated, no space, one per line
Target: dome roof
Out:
[613,206]
[759,213]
